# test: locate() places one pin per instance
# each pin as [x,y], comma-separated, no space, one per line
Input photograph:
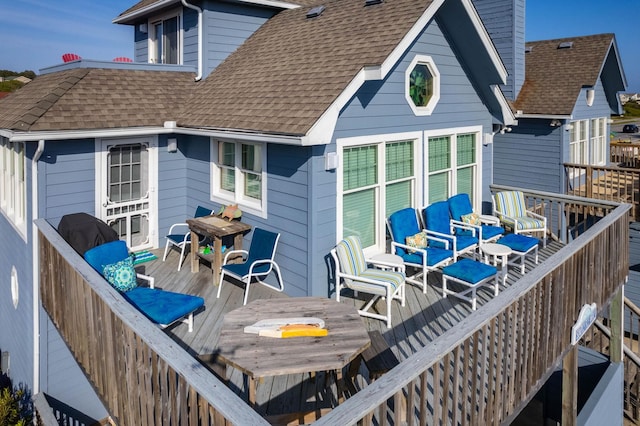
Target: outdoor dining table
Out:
[258,356]
[216,228]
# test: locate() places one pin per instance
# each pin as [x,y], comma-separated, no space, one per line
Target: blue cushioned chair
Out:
[258,262]
[180,236]
[356,272]
[470,274]
[161,307]
[460,207]
[403,224]
[437,222]
[511,208]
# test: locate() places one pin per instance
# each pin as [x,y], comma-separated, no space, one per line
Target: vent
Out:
[372,2]
[565,45]
[315,12]
[528,49]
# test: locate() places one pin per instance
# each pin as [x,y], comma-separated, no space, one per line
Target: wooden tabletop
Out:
[217,226]
[259,356]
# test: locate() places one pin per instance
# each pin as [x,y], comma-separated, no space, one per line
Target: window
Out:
[588,142]
[377,179]
[12,185]
[238,171]
[165,40]
[422,85]
[452,165]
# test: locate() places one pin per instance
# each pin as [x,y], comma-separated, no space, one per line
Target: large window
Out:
[377,179]
[165,40]
[12,185]
[238,171]
[452,165]
[588,141]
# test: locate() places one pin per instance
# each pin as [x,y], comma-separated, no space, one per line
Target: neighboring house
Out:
[318,122]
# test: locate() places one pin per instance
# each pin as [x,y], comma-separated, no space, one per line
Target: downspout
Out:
[36,267]
[200,47]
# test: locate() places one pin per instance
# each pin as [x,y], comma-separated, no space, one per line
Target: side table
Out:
[497,253]
[488,219]
[388,260]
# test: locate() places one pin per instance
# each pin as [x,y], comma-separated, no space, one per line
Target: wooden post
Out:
[570,387]
[589,182]
[616,316]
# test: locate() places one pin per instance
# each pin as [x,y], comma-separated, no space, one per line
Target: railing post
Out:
[589,181]
[616,315]
[570,387]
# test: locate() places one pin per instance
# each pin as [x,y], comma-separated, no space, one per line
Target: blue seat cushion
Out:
[162,307]
[518,243]
[490,231]
[434,256]
[469,270]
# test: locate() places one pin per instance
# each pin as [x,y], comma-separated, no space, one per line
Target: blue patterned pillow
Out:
[121,275]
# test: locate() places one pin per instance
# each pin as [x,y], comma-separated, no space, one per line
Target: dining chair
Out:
[257,264]
[179,236]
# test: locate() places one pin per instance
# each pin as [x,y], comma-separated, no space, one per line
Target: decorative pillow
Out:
[121,275]
[418,240]
[471,218]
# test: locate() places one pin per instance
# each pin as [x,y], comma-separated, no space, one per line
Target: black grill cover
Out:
[83,231]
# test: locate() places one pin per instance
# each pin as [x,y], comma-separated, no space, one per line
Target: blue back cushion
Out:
[459,205]
[263,246]
[106,254]
[436,217]
[202,211]
[403,224]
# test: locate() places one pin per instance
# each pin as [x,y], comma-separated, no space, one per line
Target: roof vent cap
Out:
[314,12]
[528,49]
[372,2]
[565,45]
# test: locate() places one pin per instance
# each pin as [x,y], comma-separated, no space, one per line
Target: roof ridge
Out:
[49,99]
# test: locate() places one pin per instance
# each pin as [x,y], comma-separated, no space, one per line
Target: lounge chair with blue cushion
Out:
[461,211]
[511,208]
[258,262]
[359,274]
[180,236]
[113,262]
[437,221]
[413,245]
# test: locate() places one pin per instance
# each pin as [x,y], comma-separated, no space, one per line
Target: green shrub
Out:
[632,109]
[15,404]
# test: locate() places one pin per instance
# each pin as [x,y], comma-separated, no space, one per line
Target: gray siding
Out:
[530,156]
[140,45]
[605,406]
[505,23]
[227,26]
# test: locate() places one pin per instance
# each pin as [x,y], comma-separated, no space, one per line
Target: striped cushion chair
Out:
[359,274]
[510,207]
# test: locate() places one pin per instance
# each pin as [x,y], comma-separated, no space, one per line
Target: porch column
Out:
[616,309]
[570,387]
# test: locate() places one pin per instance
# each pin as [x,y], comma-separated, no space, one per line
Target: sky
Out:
[35,33]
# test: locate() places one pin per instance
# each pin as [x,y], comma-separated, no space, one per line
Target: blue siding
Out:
[16,333]
[605,407]
[190,37]
[141,45]
[227,26]
[505,23]
[600,107]
[530,156]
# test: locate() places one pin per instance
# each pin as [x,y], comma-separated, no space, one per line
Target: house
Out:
[317,120]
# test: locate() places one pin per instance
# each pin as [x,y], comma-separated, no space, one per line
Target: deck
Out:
[424,318]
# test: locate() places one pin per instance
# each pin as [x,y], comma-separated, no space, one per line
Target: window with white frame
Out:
[422,85]
[238,172]
[452,165]
[13,186]
[377,179]
[165,40]
[588,141]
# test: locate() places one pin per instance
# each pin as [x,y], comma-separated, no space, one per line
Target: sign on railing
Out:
[586,318]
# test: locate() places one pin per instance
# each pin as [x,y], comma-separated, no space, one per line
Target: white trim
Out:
[428,62]
[379,139]
[247,204]
[507,113]
[13,192]
[544,116]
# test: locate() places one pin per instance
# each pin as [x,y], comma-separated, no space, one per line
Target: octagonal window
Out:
[422,85]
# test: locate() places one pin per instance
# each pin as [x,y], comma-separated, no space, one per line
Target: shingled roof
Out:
[86,98]
[286,75]
[555,75]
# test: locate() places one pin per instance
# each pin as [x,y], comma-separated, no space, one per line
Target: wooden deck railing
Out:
[483,370]
[610,183]
[479,372]
[141,375]
[624,154]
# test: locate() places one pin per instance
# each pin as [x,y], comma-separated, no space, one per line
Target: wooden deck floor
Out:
[423,319]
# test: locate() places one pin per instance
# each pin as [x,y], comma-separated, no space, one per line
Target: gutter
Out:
[200,45]
[36,267]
